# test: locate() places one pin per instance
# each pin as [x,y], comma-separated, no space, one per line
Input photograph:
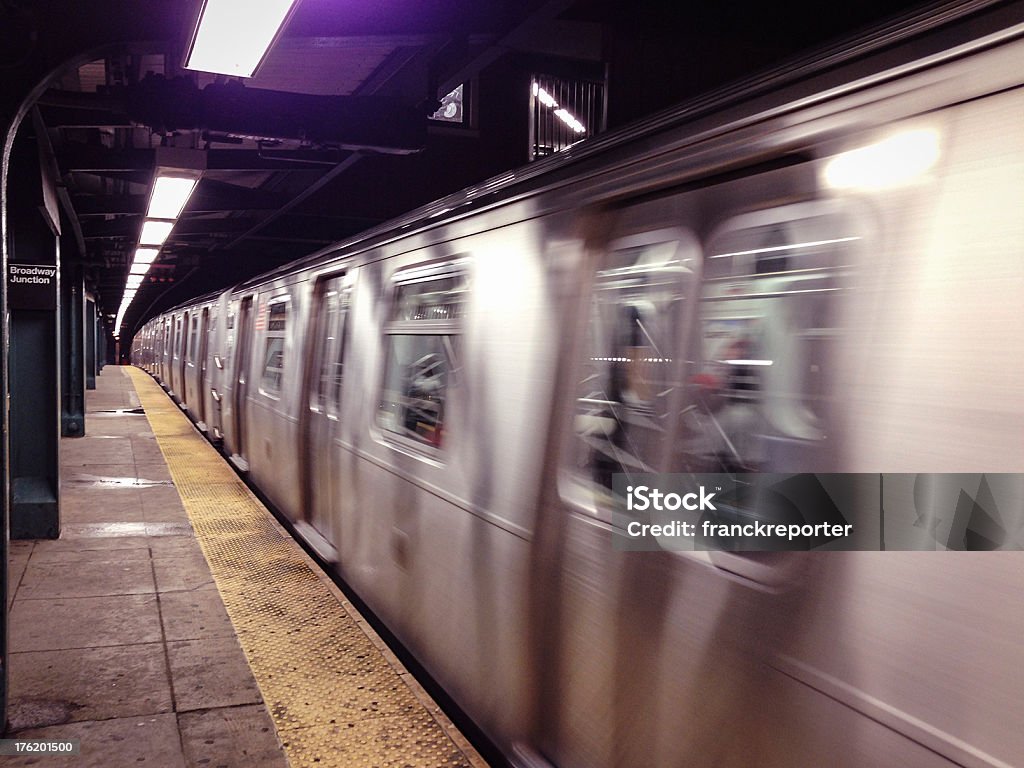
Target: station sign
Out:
[32,286]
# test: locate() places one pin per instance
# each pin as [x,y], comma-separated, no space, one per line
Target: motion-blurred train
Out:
[821,271]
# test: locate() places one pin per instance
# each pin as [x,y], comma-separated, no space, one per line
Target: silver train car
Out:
[820,275]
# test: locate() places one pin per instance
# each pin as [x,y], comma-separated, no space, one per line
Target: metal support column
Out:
[102,353]
[34,365]
[90,343]
[72,315]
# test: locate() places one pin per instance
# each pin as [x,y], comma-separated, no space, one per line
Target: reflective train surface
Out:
[820,274]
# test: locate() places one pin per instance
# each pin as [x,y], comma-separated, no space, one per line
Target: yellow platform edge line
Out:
[337,695]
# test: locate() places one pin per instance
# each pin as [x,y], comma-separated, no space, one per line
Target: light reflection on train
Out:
[796,283]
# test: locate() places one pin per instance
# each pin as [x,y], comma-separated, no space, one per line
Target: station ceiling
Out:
[332,134]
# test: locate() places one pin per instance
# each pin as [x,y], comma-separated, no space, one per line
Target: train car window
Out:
[421,354]
[273,351]
[440,299]
[178,337]
[768,330]
[631,368]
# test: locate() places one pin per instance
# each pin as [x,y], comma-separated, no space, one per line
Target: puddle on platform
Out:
[100,530]
[99,481]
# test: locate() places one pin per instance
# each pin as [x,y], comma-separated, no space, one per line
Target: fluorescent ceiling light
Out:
[896,160]
[566,117]
[134,281]
[155,232]
[146,255]
[233,36]
[139,269]
[544,97]
[170,193]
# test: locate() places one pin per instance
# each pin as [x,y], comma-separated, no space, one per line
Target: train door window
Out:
[211,334]
[206,333]
[229,342]
[769,326]
[274,349]
[334,404]
[193,338]
[331,323]
[177,337]
[421,353]
[631,367]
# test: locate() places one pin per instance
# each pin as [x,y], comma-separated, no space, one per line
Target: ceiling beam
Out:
[332,174]
[371,123]
[94,159]
[285,227]
[206,199]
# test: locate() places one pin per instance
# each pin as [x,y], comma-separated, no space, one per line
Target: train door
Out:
[215,373]
[165,354]
[193,381]
[695,356]
[241,389]
[183,342]
[158,348]
[602,608]
[323,406]
[178,362]
[202,385]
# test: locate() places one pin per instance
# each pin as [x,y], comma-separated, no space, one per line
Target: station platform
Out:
[176,623]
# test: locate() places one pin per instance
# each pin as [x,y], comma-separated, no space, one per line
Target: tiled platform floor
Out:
[119,636]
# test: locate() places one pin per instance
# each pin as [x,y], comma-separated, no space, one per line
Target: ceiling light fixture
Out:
[155,232]
[233,36]
[146,255]
[178,171]
[169,196]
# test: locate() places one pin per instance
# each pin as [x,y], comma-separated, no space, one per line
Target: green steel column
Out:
[90,344]
[72,314]
[33,357]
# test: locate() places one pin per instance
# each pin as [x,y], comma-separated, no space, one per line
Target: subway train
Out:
[818,271]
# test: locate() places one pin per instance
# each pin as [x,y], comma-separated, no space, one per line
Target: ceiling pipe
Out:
[370,123]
